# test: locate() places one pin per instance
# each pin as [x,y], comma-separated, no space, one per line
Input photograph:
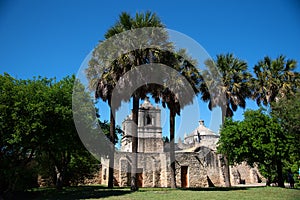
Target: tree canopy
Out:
[274,79]
[287,112]
[38,135]
[133,45]
[258,139]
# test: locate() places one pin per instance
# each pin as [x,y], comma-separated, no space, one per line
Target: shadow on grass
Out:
[78,192]
[218,188]
[96,191]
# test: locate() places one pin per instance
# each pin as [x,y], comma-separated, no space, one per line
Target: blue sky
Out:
[52,37]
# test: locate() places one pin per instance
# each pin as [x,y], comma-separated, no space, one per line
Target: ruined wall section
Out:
[203,171]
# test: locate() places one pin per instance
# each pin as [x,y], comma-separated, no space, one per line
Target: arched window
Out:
[148,119]
[105,174]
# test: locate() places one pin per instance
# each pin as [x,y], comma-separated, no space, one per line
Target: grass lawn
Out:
[100,192]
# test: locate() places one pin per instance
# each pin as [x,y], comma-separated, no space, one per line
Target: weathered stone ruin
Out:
[197,163]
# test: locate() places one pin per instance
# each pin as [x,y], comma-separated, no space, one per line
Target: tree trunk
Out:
[279,173]
[226,172]
[268,182]
[269,178]
[226,161]
[59,178]
[172,149]
[135,111]
[61,166]
[112,151]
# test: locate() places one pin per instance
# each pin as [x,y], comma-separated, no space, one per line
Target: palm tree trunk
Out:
[112,156]
[172,149]
[135,112]
[226,162]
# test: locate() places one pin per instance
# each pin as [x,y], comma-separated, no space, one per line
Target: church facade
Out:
[196,160]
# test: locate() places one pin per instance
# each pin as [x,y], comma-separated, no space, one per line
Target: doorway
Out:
[184,176]
[140,177]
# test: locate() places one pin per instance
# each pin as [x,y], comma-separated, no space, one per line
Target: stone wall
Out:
[104,171]
[149,145]
[155,168]
[244,174]
[203,169]
[149,165]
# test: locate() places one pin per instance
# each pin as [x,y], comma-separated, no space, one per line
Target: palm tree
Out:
[178,96]
[103,89]
[229,92]
[125,62]
[169,99]
[112,71]
[235,84]
[275,80]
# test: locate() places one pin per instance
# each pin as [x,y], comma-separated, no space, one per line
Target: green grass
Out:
[100,192]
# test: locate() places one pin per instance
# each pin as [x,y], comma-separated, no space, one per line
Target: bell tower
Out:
[149,130]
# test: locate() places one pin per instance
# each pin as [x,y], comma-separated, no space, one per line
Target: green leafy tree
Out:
[257,139]
[287,112]
[275,80]
[60,141]
[38,135]
[22,119]
[105,126]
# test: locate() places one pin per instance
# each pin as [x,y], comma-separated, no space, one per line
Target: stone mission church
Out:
[197,163]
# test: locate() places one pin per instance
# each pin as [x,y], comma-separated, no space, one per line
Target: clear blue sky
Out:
[52,37]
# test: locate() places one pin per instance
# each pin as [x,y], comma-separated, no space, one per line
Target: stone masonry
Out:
[196,161]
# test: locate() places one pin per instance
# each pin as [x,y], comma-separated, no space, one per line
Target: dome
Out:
[202,130]
[199,134]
